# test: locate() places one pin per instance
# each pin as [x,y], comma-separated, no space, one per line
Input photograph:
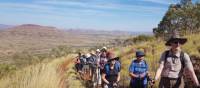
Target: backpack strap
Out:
[107,69]
[166,55]
[116,68]
[145,62]
[181,58]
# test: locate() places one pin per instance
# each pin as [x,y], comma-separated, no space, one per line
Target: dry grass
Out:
[42,75]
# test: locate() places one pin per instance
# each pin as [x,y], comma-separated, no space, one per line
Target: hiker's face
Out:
[113,62]
[104,54]
[175,45]
[140,57]
[97,52]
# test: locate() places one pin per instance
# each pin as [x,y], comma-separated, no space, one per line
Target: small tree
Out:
[186,2]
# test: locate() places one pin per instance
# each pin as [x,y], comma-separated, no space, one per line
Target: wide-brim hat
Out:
[104,49]
[111,59]
[176,37]
[111,56]
[93,52]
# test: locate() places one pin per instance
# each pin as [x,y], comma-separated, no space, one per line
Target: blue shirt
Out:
[138,68]
[117,67]
[112,74]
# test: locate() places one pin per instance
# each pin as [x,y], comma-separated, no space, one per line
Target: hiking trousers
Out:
[166,82]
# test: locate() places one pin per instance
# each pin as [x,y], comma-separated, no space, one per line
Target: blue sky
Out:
[125,15]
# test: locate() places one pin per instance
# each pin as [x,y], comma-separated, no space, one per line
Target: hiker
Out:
[83,59]
[82,62]
[103,61]
[138,71]
[98,53]
[172,64]
[78,62]
[93,65]
[111,73]
[103,58]
[93,60]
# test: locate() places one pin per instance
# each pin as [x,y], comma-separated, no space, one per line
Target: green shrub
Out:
[139,39]
[6,69]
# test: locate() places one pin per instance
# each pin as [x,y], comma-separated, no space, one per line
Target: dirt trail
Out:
[70,78]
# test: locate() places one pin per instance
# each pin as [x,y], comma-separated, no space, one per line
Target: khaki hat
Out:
[176,38]
[104,49]
[88,55]
[98,50]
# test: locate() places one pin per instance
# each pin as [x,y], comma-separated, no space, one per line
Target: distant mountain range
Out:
[33,37]
[3,26]
[83,31]
[109,32]
[141,33]
[38,39]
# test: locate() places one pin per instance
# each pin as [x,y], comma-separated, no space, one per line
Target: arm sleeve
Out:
[119,67]
[131,67]
[190,69]
[147,67]
[187,61]
[162,58]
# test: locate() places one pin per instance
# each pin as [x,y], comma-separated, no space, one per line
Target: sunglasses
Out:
[176,42]
[139,56]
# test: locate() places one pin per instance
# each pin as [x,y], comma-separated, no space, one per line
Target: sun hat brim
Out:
[116,58]
[182,41]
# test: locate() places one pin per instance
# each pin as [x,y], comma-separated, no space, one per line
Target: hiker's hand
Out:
[114,84]
[107,83]
[137,76]
[143,75]
[198,86]
[153,81]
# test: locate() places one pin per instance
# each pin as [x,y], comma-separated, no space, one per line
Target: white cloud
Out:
[164,2]
[104,6]
[49,10]
[74,8]
[25,5]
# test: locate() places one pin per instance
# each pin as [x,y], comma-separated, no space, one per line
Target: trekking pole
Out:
[123,80]
[154,69]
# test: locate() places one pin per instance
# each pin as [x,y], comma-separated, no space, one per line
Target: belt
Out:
[171,78]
